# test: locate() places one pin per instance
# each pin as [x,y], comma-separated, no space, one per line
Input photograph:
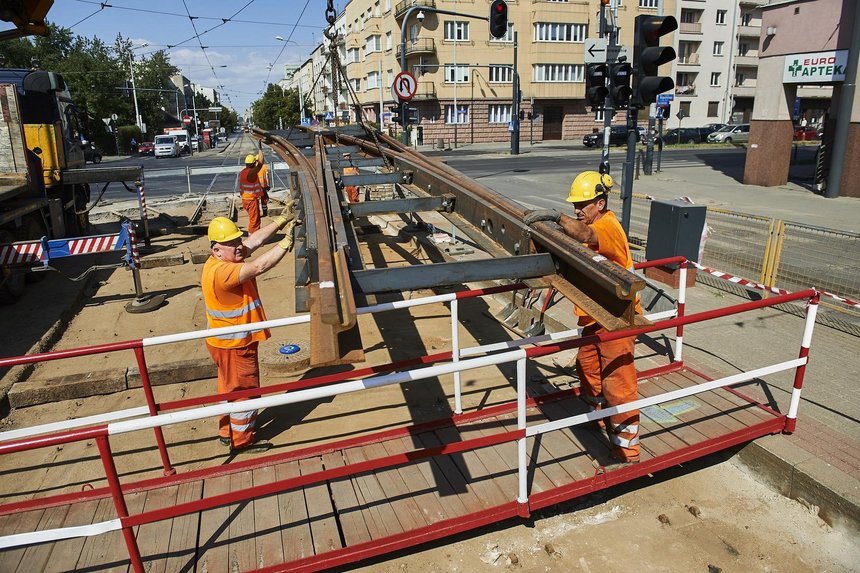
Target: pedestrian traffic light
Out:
[648,56]
[595,84]
[619,81]
[498,18]
[522,114]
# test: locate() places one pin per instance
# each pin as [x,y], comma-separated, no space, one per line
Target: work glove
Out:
[282,220]
[287,242]
[537,215]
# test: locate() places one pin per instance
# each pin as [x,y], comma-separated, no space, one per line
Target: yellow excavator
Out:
[28,16]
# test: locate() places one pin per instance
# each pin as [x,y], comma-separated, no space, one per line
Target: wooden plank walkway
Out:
[346,518]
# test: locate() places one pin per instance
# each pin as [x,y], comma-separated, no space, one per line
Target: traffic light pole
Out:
[627,185]
[608,105]
[515,108]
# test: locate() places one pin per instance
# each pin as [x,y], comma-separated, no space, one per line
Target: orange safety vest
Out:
[231,305]
[263,176]
[249,189]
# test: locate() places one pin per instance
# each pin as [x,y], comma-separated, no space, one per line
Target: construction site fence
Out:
[126,523]
[777,253]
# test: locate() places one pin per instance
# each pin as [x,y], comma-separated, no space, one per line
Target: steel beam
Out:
[102,175]
[387,206]
[377,178]
[371,281]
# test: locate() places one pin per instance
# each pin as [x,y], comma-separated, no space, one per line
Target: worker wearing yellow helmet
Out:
[251,190]
[606,370]
[231,299]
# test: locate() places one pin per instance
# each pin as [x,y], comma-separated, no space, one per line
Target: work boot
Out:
[224,441]
[255,448]
[265,210]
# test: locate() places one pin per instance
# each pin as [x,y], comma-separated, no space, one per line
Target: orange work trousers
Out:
[607,377]
[238,369]
[352,193]
[252,206]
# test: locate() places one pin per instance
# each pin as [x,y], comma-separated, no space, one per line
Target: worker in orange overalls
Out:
[351,190]
[263,177]
[606,370]
[231,298]
[251,190]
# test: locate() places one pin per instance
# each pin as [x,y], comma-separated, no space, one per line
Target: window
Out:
[462,114]
[715,79]
[389,78]
[721,17]
[500,113]
[740,78]
[372,80]
[356,84]
[388,41]
[388,5]
[558,73]
[508,37]
[549,32]
[746,19]
[457,74]
[501,74]
[351,55]
[684,107]
[743,48]
[718,48]
[376,9]
[648,3]
[456,31]
[713,109]
[373,44]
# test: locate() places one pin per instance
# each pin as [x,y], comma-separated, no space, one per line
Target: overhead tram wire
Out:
[287,41]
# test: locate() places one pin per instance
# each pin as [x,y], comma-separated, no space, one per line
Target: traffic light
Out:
[595,84]
[412,115]
[648,55]
[498,18]
[522,114]
[619,81]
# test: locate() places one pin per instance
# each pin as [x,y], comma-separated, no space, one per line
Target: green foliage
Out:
[126,132]
[275,106]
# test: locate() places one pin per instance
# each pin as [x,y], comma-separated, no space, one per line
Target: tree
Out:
[275,106]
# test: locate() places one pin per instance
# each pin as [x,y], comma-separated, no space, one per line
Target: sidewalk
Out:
[819,463]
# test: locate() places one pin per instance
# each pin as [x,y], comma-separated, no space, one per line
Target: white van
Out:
[182,139]
[166,146]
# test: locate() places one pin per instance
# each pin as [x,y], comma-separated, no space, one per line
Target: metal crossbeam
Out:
[384,207]
[377,178]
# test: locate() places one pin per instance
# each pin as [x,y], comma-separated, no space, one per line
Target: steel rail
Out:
[601,287]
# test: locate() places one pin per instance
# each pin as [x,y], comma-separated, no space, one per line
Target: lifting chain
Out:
[330,16]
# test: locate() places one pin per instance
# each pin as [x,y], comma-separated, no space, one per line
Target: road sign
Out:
[114,116]
[664,99]
[306,121]
[405,86]
[598,51]
[215,109]
[186,119]
[329,116]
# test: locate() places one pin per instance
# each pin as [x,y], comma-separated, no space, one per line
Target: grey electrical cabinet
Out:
[675,229]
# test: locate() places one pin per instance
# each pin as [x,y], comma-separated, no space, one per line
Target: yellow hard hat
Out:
[588,185]
[223,230]
[250,159]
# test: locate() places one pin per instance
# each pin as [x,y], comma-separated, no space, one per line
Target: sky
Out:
[235,54]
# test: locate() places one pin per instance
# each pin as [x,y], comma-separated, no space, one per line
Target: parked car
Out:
[146,148]
[710,128]
[91,154]
[731,134]
[685,135]
[806,133]
[617,136]
[166,146]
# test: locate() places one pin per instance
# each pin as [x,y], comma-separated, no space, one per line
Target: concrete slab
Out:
[71,386]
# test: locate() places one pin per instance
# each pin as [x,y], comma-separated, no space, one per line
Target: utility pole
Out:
[515,108]
[608,107]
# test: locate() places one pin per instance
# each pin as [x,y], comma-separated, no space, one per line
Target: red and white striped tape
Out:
[86,245]
[132,239]
[21,253]
[760,286]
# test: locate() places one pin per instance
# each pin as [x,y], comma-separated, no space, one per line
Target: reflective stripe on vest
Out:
[249,190]
[234,313]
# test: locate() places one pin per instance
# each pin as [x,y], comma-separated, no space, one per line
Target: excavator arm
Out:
[28,16]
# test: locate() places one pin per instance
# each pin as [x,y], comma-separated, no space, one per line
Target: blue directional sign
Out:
[306,121]
[664,99]
[329,116]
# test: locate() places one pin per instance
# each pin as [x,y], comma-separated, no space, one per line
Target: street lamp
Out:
[137,121]
[193,108]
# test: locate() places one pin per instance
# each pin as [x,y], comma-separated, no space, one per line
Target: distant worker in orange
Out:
[352,193]
[251,190]
[263,177]
[231,298]
[606,370]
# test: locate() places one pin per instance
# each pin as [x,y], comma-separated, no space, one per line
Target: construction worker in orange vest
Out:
[352,194]
[231,298]
[607,374]
[251,190]
[263,176]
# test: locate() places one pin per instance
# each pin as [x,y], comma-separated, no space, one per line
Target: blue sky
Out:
[245,44]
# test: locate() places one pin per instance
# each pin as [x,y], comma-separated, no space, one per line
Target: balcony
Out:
[746,61]
[747,31]
[690,27]
[419,46]
[403,6]
[685,90]
[426,90]
[745,90]
[688,59]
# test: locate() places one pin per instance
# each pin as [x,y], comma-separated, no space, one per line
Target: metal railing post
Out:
[119,502]
[169,470]
[682,299]
[522,493]
[141,201]
[811,312]
[188,178]
[455,354]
